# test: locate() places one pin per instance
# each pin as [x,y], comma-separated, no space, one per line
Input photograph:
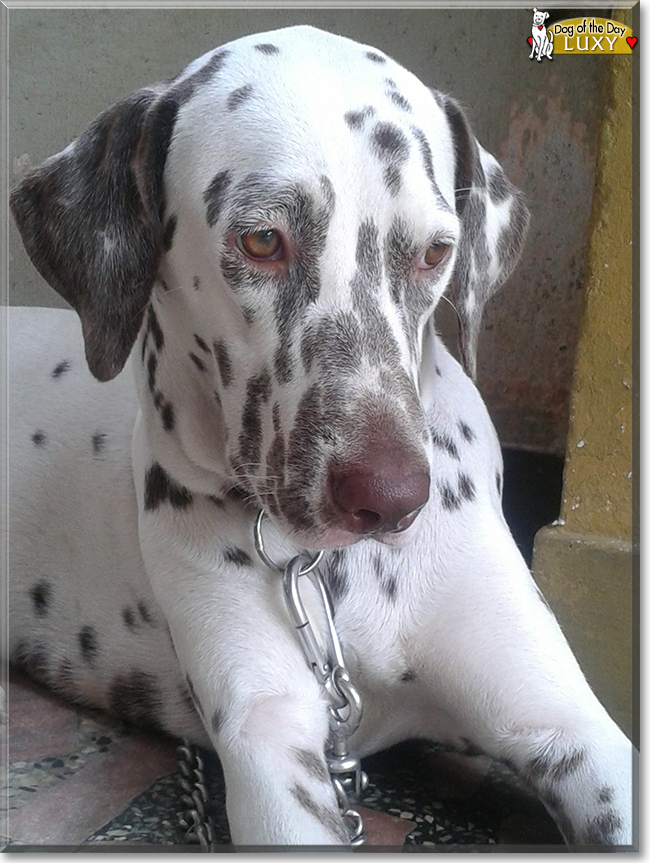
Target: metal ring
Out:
[259,545]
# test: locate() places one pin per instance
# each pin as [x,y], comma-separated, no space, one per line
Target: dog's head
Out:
[290,209]
[539,17]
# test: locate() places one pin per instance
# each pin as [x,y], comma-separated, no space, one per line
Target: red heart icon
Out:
[631,41]
[540,26]
[530,40]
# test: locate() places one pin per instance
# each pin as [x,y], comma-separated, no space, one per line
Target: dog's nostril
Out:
[368,521]
[379,501]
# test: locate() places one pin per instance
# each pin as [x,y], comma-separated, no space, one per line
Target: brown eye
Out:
[261,245]
[435,254]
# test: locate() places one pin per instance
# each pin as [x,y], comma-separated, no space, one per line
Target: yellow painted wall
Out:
[598,475]
[585,563]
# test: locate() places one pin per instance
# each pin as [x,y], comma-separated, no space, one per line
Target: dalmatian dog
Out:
[254,251]
[542,38]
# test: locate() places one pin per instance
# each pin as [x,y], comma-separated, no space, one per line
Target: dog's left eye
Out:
[435,255]
[262,245]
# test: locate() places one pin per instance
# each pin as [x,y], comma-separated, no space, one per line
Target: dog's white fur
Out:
[125,592]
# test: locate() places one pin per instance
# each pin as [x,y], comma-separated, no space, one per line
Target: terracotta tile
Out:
[70,811]
[40,724]
[384,829]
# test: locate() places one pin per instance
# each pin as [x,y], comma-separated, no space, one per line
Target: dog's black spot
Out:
[99,442]
[283,363]
[444,442]
[202,344]
[409,676]
[160,488]
[153,326]
[547,766]
[196,283]
[376,58]
[400,101]
[39,439]
[60,369]
[327,188]
[498,185]
[393,179]
[198,362]
[499,483]
[241,94]
[450,500]
[224,362]
[335,574]
[267,48]
[466,487]
[329,818]
[41,594]
[152,367]
[217,501]
[438,372]
[389,143]
[601,830]
[356,119]
[128,617]
[33,659]
[144,613]
[168,233]
[237,556]
[216,721]
[215,196]
[258,392]
[606,794]
[466,431]
[313,764]
[87,638]
[366,280]
[387,581]
[136,697]
[167,416]
[63,679]
[184,90]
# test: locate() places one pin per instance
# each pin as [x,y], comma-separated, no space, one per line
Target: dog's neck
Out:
[180,404]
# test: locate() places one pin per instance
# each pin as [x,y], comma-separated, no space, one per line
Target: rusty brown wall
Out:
[541,119]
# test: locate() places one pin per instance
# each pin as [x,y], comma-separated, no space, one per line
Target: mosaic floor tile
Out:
[78,777]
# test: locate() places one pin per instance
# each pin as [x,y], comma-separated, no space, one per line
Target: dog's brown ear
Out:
[494,220]
[90,219]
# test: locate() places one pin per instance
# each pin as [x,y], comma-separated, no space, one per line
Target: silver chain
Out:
[344,704]
[328,666]
[195,821]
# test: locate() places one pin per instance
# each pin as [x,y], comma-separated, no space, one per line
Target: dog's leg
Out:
[500,666]
[258,699]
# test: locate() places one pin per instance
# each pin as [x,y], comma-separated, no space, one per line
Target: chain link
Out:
[195,821]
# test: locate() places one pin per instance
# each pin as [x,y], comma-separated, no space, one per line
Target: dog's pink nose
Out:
[379,499]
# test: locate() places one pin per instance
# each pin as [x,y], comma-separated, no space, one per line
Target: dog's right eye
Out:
[263,245]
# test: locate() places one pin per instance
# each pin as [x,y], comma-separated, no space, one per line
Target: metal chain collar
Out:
[345,706]
[329,668]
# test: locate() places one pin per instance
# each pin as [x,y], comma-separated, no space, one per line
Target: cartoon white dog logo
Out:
[542,38]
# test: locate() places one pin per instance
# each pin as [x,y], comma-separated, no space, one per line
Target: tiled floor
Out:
[79,778]
[76,777]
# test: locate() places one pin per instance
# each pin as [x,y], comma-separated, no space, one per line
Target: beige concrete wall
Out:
[585,563]
[540,119]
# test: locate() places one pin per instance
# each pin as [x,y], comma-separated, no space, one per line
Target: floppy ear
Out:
[493,219]
[90,218]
